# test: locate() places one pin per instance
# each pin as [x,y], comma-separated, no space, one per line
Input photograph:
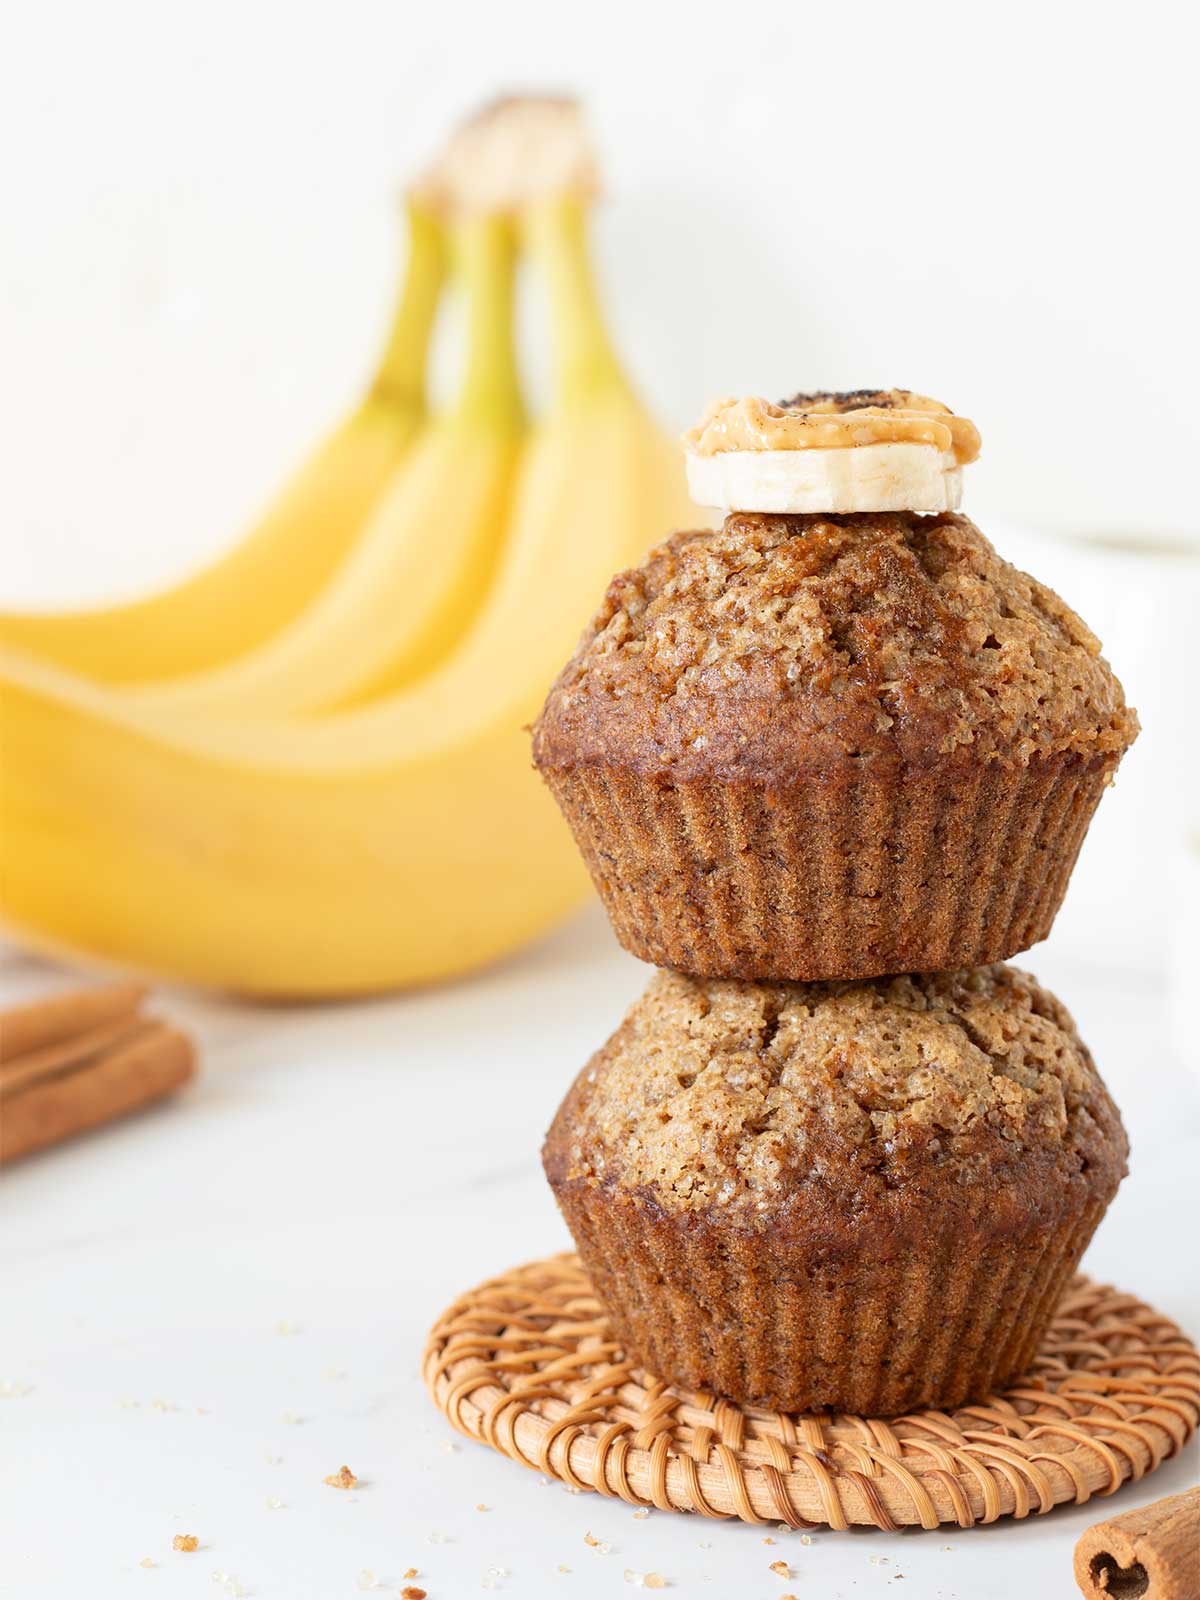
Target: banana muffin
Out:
[831,746]
[859,1196]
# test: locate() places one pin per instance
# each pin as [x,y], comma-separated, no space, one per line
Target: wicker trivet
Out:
[527,1364]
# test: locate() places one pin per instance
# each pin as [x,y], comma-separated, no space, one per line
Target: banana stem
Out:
[584,360]
[400,378]
[485,259]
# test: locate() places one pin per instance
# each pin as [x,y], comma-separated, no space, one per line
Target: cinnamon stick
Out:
[58,1017]
[135,1073]
[68,1056]
[1149,1554]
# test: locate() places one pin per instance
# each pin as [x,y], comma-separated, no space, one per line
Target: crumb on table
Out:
[343,1478]
[185,1541]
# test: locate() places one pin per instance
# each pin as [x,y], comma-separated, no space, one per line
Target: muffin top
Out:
[788,645]
[750,1096]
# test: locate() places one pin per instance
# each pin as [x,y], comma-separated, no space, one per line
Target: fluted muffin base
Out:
[765,1318]
[839,877]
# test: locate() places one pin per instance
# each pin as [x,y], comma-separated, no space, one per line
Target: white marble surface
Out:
[212,1306]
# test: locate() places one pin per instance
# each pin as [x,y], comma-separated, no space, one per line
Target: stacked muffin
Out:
[831,763]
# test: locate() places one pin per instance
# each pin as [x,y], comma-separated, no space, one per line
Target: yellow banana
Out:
[392,844]
[409,588]
[258,587]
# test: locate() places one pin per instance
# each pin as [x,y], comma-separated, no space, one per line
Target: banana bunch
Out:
[333,795]
[278,569]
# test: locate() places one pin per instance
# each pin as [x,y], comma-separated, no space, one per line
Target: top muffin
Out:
[798,723]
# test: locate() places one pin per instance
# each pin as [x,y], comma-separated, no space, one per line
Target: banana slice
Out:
[868,450]
[873,477]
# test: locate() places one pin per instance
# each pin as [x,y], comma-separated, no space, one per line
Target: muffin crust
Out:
[781,646]
[746,1097]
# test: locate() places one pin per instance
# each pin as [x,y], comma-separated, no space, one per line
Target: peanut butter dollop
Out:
[831,421]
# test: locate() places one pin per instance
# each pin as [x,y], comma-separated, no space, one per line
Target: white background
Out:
[991,203]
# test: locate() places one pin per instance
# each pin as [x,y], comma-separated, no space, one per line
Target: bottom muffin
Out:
[865,1197]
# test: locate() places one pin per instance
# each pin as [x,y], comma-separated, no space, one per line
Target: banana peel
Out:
[270,881]
[393,843]
[406,592]
[231,605]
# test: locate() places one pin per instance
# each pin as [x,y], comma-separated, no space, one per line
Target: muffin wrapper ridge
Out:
[707,1305]
[953,865]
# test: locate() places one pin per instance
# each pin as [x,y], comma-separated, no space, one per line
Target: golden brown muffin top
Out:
[780,645]
[721,1093]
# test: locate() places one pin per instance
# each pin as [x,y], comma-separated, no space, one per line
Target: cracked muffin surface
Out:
[746,1095]
[780,644]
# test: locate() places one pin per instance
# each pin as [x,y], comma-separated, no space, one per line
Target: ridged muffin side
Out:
[862,1196]
[831,747]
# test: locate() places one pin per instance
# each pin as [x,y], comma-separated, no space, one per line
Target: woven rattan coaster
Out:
[527,1364]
